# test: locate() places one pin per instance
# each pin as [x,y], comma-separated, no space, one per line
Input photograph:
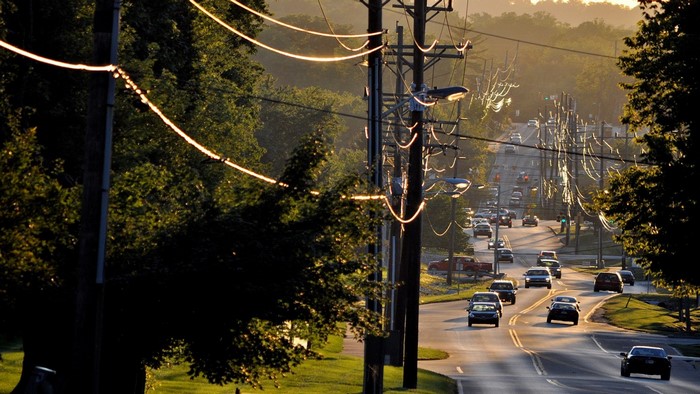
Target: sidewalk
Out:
[352,347]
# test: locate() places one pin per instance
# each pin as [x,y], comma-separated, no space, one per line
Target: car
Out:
[569,299]
[523,177]
[486,296]
[443,265]
[514,202]
[505,254]
[547,254]
[483,229]
[531,220]
[538,276]
[505,220]
[563,311]
[483,313]
[500,244]
[627,276]
[608,281]
[516,139]
[511,149]
[506,289]
[533,123]
[553,265]
[476,221]
[647,360]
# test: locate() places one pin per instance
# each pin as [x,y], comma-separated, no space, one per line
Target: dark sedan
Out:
[627,277]
[506,255]
[563,311]
[483,313]
[647,360]
[531,220]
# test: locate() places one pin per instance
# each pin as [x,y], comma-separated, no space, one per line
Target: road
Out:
[528,355]
[525,354]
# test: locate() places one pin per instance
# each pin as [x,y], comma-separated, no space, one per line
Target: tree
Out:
[185,234]
[228,291]
[38,220]
[655,205]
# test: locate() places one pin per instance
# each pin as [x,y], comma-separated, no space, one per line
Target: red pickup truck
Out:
[466,263]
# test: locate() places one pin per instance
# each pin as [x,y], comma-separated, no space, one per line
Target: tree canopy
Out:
[655,206]
[204,264]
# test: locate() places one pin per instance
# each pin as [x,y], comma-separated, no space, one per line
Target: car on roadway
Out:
[514,202]
[547,254]
[501,243]
[553,265]
[476,221]
[483,229]
[523,177]
[483,313]
[531,220]
[563,311]
[505,220]
[505,255]
[608,281]
[627,277]
[538,276]
[506,289]
[511,149]
[486,296]
[533,123]
[569,299]
[647,360]
[516,139]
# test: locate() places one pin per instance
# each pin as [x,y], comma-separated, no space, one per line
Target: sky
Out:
[626,3]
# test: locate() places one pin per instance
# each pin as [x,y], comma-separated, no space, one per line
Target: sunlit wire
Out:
[292,55]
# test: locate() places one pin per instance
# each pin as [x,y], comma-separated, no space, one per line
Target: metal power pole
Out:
[84,376]
[374,345]
[411,248]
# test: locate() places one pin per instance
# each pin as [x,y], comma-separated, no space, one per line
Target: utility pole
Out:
[411,247]
[601,186]
[453,207]
[398,302]
[84,375]
[374,345]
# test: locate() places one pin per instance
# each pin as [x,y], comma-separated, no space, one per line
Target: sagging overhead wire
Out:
[333,35]
[278,51]
[117,72]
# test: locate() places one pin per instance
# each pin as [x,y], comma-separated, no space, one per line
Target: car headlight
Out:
[548,279]
[527,279]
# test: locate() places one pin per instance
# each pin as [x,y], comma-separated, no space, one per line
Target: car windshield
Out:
[484,307]
[482,298]
[537,272]
[502,286]
[565,299]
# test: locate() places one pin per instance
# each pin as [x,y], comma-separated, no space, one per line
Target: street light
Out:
[452,93]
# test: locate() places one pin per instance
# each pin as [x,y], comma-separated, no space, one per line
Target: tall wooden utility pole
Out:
[411,247]
[374,345]
[84,376]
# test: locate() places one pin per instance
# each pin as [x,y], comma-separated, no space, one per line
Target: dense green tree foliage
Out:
[655,205]
[193,245]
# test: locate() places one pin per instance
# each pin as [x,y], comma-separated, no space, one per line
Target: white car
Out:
[533,123]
